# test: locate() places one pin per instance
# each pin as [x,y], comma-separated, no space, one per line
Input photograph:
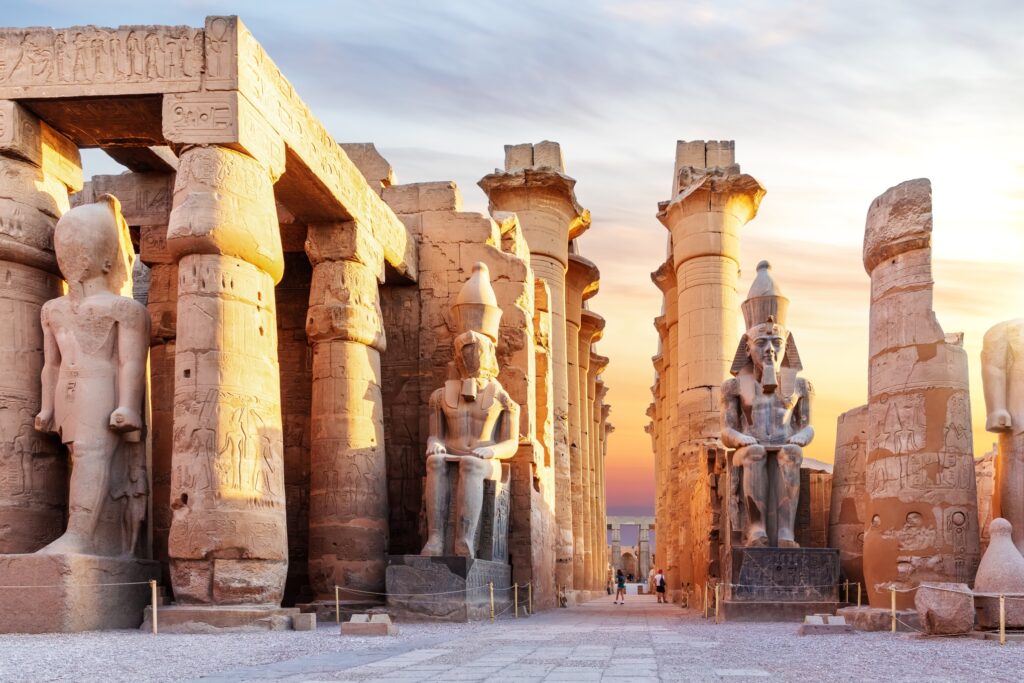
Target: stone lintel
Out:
[899,220]
[159,159]
[145,197]
[344,241]
[24,136]
[371,163]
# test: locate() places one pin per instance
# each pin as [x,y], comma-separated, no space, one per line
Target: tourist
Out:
[659,586]
[620,590]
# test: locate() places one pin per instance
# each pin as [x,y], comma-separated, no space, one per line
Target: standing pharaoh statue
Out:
[473,422]
[766,414]
[96,338]
[1002,373]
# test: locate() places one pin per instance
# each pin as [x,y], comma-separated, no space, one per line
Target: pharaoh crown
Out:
[765,302]
[476,308]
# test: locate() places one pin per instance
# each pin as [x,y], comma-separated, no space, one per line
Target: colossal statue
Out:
[766,414]
[95,341]
[1002,373]
[473,422]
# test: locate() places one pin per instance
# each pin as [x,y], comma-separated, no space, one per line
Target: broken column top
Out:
[899,220]
[543,155]
[702,155]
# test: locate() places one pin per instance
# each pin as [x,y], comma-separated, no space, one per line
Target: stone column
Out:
[848,506]
[644,547]
[228,539]
[595,366]
[711,201]
[616,546]
[534,186]
[38,166]
[581,283]
[348,511]
[591,330]
[673,505]
[597,443]
[922,511]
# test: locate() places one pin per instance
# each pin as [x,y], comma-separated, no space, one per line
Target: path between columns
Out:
[645,641]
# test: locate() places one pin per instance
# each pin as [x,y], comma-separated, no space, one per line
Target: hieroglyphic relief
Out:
[137,58]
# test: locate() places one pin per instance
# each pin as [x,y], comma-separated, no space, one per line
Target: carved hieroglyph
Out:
[534,186]
[95,341]
[1002,371]
[473,422]
[766,414]
[922,512]
[37,168]
[228,539]
[710,201]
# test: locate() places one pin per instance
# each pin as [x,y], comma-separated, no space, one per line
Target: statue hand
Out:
[436,448]
[798,439]
[998,420]
[44,421]
[125,420]
[484,452]
[745,440]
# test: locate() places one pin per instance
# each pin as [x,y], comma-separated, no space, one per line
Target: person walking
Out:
[620,588]
[659,586]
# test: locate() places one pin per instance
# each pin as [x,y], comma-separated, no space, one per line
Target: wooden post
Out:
[515,597]
[490,585]
[893,593]
[858,594]
[153,597]
[529,597]
[718,596]
[1002,620]
[846,591]
[337,604]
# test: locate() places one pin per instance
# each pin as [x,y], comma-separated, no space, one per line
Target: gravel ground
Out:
[640,641]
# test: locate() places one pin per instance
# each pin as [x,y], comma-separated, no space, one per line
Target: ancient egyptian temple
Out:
[353,387]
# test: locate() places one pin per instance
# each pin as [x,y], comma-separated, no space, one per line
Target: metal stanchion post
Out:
[490,584]
[337,604]
[515,597]
[153,596]
[1002,620]
[893,593]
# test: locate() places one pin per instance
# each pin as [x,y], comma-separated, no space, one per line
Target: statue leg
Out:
[755,492]
[88,491]
[436,497]
[787,492]
[1011,484]
[472,472]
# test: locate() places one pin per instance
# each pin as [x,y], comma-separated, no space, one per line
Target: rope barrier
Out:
[461,590]
[86,585]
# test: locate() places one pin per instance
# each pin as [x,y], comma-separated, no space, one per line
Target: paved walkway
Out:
[643,641]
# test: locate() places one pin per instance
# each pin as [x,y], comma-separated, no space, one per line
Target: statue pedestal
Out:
[446,588]
[229,619]
[61,595]
[779,584]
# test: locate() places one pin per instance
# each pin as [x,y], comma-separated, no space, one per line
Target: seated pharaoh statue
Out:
[474,425]
[766,415]
[95,344]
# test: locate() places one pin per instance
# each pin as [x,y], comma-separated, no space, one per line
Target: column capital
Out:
[598,363]
[899,220]
[664,278]
[591,327]
[582,280]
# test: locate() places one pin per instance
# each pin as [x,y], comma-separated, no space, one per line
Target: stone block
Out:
[369,625]
[221,619]
[304,622]
[446,588]
[823,625]
[71,600]
[945,609]
[877,619]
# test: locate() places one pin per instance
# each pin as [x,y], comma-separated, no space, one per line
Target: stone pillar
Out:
[597,443]
[595,366]
[348,519]
[616,546]
[581,283]
[922,511]
[848,509]
[591,330]
[711,201]
[535,187]
[37,168]
[673,507]
[644,549]
[228,539]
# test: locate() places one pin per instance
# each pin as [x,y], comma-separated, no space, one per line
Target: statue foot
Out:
[758,541]
[433,548]
[788,543]
[68,543]
[463,548]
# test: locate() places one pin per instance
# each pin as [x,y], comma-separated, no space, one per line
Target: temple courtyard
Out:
[638,641]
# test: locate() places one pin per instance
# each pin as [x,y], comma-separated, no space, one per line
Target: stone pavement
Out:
[644,641]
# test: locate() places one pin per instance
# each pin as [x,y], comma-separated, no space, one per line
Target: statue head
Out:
[92,241]
[475,356]
[767,347]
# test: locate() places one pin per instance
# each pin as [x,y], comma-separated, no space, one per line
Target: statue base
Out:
[446,588]
[879,619]
[326,611]
[228,619]
[781,584]
[60,592]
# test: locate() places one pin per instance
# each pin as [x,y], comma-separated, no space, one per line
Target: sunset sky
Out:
[829,103]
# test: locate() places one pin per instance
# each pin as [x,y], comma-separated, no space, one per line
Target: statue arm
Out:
[132,349]
[994,353]
[732,437]
[51,368]
[435,440]
[801,421]
[507,442]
